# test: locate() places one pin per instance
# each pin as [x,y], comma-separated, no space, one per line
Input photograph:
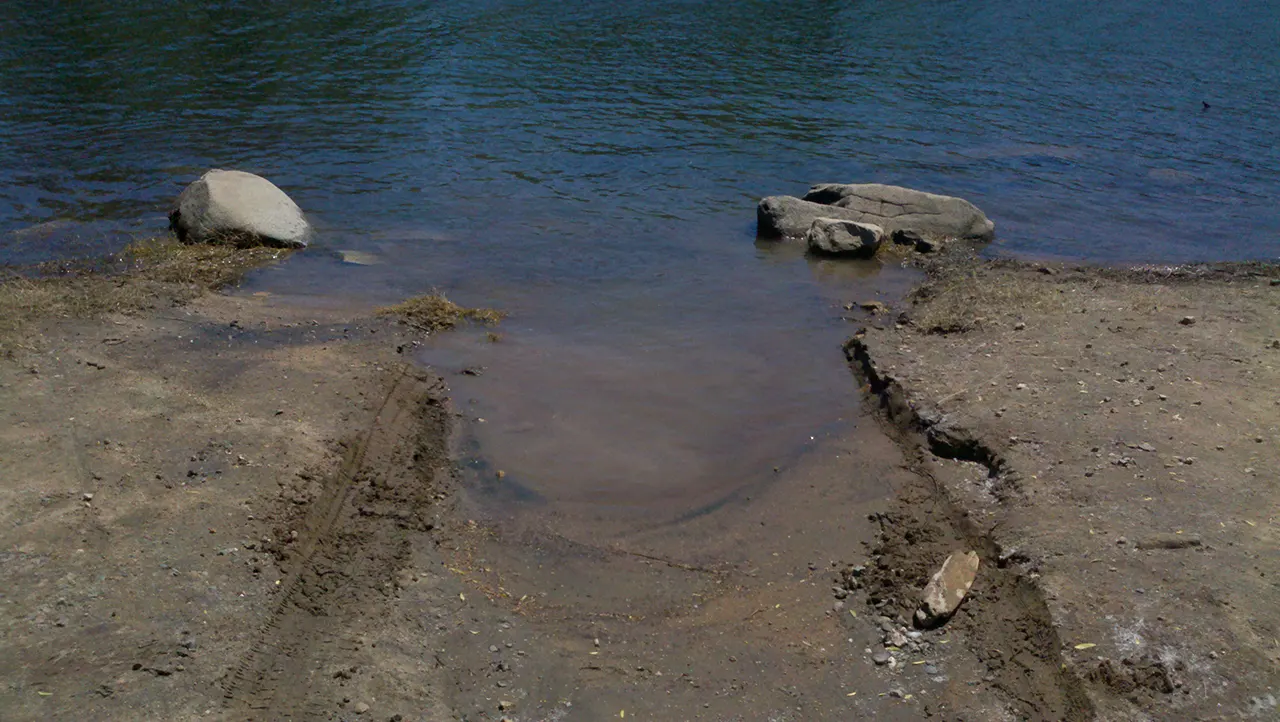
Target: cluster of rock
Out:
[238,208]
[855,219]
[939,600]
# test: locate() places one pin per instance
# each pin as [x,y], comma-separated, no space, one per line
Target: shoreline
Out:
[1057,412]
[223,504]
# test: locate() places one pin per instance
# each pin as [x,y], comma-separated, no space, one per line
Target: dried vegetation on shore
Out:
[146,274]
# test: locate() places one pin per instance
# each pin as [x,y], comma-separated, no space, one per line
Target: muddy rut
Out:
[341,557]
[1005,621]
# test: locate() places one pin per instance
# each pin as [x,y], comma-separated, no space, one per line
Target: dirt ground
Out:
[1107,440]
[252,508]
[207,507]
[249,508]
[243,508]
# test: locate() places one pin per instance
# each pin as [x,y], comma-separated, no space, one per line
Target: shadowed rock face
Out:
[894,208]
[229,206]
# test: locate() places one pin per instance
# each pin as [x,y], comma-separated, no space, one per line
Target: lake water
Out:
[592,168]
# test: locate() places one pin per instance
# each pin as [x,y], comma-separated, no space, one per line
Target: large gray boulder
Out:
[788,217]
[837,237]
[895,208]
[231,206]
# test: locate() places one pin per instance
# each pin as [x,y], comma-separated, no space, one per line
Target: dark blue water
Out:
[573,139]
[592,167]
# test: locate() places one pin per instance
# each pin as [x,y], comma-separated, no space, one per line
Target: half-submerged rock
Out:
[836,237]
[788,217]
[231,206]
[947,589]
[895,208]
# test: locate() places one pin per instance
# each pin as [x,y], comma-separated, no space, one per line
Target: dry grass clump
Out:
[144,275]
[165,260]
[959,300]
[433,312]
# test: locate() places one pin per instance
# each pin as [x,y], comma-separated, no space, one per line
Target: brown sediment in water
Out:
[1064,417]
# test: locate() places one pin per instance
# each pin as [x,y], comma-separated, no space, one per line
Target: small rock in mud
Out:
[881,658]
[1187,320]
[947,589]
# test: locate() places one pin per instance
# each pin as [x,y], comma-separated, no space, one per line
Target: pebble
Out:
[88,496]
[930,670]
[360,708]
[493,648]
[895,639]
[1187,320]
[881,658]
[897,693]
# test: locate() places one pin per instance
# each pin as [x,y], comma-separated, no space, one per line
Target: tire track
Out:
[345,555]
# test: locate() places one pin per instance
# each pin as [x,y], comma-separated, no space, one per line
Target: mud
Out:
[1100,437]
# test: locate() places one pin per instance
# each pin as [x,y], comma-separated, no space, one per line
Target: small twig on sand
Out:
[668,562]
